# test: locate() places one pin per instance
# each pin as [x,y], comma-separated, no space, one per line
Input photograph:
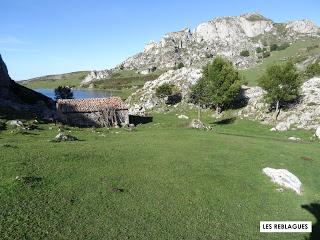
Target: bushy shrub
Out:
[164,90]
[180,65]
[283,46]
[63,92]
[259,50]
[2,125]
[244,53]
[274,47]
[313,69]
[265,54]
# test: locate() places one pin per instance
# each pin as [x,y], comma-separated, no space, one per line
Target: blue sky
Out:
[40,37]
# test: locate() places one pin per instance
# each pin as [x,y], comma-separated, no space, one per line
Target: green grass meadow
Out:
[162,181]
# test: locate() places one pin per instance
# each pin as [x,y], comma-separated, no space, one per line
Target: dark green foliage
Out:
[63,92]
[219,86]
[274,47]
[244,53]
[282,83]
[258,50]
[2,125]
[180,65]
[313,69]
[164,90]
[265,54]
[283,46]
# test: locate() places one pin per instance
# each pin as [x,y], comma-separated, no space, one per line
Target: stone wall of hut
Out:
[97,118]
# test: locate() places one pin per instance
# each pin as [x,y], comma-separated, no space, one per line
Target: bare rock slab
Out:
[284,178]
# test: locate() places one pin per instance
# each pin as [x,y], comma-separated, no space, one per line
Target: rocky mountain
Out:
[225,36]
[20,99]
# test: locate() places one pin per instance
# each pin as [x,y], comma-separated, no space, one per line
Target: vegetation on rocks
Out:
[245,53]
[164,90]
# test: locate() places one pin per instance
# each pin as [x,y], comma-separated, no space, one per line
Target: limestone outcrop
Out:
[224,36]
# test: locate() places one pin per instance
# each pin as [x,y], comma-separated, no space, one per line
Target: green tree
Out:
[282,83]
[219,86]
[63,92]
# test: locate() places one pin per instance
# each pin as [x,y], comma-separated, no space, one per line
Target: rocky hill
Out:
[225,36]
[19,99]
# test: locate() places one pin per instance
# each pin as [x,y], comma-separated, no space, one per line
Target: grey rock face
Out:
[145,98]
[224,36]
[96,76]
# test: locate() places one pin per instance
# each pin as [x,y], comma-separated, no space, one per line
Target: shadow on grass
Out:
[225,121]
[314,209]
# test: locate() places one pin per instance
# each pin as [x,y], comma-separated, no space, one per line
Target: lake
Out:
[78,93]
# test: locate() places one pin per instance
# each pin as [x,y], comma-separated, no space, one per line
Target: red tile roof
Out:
[89,104]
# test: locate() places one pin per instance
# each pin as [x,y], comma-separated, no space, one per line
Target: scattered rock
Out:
[183,117]
[197,124]
[294,139]
[317,134]
[116,190]
[61,137]
[16,123]
[283,126]
[284,178]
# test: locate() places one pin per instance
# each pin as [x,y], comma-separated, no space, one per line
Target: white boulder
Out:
[317,134]
[183,116]
[284,178]
[283,126]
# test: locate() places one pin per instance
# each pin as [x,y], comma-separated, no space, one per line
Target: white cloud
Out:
[11,40]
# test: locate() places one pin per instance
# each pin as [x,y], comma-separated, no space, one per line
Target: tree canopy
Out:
[282,83]
[219,86]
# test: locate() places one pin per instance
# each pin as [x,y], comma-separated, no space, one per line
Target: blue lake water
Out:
[78,93]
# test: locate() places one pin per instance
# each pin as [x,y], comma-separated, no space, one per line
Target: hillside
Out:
[53,81]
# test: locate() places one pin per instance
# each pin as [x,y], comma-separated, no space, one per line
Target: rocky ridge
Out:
[225,36]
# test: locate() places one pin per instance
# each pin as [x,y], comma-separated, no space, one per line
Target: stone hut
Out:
[98,112]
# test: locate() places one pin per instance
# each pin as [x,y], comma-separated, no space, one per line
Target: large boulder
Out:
[16,97]
[317,134]
[284,178]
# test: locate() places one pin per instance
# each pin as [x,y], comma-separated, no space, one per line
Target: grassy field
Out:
[162,181]
[53,81]
[296,51]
